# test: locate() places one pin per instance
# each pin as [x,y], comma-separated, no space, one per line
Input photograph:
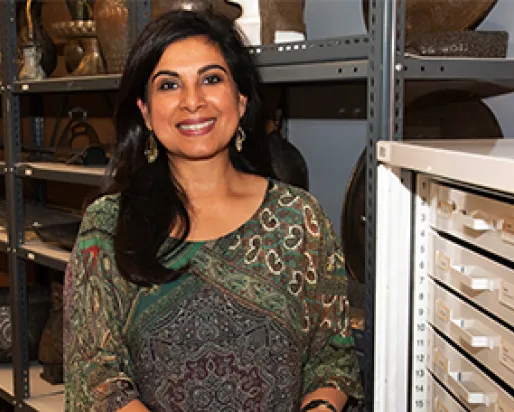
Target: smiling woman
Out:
[199,282]
[193,103]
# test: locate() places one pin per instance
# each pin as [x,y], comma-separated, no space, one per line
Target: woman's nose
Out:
[193,98]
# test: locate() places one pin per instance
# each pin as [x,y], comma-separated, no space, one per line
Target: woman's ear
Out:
[143,108]
[242,104]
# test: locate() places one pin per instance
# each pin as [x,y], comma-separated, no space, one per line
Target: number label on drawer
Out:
[440,361]
[501,407]
[440,406]
[507,354]
[508,230]
[506,295]
[442,261]
[442,311]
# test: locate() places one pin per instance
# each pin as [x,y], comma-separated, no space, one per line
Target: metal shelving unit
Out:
[60,172]
[44,397]
[47,255]
[377,59]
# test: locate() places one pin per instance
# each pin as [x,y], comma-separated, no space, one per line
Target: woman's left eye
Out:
[212,79]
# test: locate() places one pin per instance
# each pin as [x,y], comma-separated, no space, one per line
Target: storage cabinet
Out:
[459,265]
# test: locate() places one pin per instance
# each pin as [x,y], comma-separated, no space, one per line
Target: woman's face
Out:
[193,104]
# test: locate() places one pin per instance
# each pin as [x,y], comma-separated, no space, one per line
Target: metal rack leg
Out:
[14,198]
[385,114]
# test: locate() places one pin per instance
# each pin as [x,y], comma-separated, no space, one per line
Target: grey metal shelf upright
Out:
[377,58]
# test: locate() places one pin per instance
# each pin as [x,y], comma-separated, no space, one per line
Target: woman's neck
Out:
[205,179]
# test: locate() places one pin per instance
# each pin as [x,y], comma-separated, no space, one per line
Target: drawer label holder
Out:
[443,312]
[507,233]
[441,361]
[506,354]
[506,295]
[502,407]
[440,406]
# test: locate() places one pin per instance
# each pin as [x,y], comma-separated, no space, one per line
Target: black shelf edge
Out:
[60,172]
[285,55]
[6,396]
[439,68]
[40,257]
[312,51]
[68,84]
[330,59]
[309,72]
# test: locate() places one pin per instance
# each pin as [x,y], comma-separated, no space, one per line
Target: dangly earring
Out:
[151,151]
[240,138]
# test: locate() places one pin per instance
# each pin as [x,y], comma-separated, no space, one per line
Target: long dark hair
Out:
[151,200]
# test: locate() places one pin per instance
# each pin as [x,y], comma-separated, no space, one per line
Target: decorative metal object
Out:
[271,21]
[111,17]
[31,68]
[84,32]
[159,7]
[50,352]
[427,17]
[80,9]
[38,311]
[466,43]
[34,42]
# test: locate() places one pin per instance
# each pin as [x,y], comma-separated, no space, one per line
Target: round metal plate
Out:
[423,17]
[440,115]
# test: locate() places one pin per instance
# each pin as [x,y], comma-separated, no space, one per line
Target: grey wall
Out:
[331,147]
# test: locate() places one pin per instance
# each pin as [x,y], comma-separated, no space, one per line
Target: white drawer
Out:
[471,386]
[477,334]
[442,400]
[480,220]
[483,281]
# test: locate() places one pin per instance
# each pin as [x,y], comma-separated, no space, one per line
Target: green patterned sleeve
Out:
[97,366]
[331,359]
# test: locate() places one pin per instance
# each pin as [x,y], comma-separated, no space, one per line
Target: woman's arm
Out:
[134,406]
[97,367]
[336,398]
[330,371]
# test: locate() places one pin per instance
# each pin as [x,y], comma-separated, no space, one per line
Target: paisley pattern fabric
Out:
[259,319]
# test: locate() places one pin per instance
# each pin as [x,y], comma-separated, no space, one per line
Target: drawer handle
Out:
[472,222]
[475,277]
[469,331]
[467,386]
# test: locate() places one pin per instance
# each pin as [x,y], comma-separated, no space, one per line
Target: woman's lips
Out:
[196,128]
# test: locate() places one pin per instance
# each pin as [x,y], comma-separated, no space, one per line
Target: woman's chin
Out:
[201,154]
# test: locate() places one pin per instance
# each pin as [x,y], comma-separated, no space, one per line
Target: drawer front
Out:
[442,400]
[475,333]
[482,221]
[469,384]
[474,276]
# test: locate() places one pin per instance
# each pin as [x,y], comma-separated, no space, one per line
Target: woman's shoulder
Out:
[296,197]
[102,214]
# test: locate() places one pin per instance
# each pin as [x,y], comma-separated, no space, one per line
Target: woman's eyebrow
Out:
[202,70]
[164,72]
[210,67]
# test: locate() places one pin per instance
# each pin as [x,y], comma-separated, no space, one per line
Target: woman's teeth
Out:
[196,126]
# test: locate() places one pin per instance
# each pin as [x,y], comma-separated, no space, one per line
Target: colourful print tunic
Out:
[259,319]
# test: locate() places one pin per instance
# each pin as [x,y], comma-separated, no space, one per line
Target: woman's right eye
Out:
[167,85]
